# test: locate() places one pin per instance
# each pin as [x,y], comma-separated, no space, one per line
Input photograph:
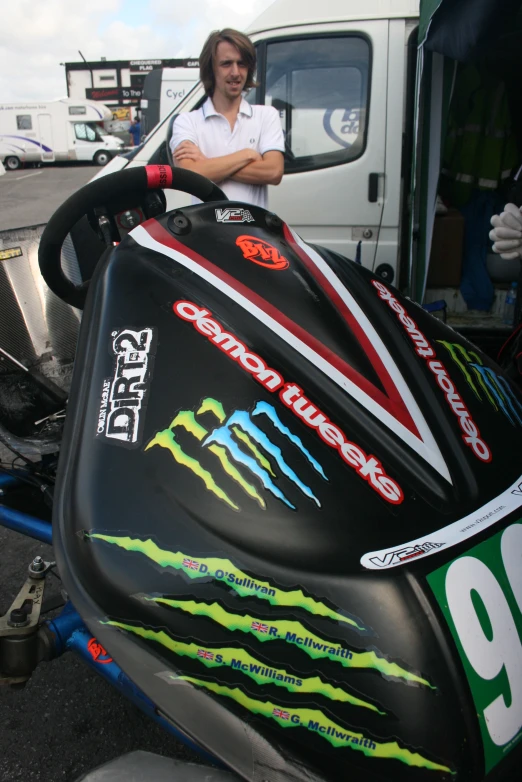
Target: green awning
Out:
[450,31]
[427,10]
[466,30]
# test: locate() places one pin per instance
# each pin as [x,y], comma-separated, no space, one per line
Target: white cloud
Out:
[36,37]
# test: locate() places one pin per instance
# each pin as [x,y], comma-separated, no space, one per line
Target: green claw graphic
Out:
[225,571]
[240,660]
[294,633]
[316,722]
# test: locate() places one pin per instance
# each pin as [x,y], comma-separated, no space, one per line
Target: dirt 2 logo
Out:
[125,395]
[230,442]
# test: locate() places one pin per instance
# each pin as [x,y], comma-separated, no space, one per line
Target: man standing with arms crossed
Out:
[236,145]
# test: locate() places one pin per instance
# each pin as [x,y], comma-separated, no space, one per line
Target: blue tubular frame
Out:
[71,634]
[7,480]
[26,525]
[18,521]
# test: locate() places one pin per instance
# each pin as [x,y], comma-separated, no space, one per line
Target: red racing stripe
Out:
[395,408]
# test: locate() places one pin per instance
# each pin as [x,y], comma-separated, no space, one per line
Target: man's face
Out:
[230,72]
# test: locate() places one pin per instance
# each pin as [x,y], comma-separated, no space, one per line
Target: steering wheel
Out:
[129,184]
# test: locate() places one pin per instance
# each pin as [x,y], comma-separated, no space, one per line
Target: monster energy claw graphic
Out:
[484,382]
[230,442]
[239,660]
[223,570]
[269,411]
[294,633]
[315,721]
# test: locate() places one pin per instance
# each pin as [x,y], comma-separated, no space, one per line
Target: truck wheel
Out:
[102,158]
[12,162]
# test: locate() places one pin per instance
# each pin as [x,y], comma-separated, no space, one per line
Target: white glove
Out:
[507,233]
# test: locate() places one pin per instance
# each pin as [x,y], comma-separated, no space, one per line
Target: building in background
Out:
[118,84]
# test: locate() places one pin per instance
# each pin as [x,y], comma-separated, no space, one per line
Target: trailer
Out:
[59,130]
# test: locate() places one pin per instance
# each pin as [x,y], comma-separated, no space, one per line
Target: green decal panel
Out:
[315,721]
[480,594]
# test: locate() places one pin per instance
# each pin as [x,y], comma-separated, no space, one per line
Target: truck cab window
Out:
[24,122]
[320,88]
[86,131]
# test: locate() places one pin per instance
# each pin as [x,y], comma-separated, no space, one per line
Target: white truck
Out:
[163,89]
[363,103]
[67,129]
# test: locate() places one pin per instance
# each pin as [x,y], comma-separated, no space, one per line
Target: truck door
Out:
[45,136]
[87,140]
[331,93]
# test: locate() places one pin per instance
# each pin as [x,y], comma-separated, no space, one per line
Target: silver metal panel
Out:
[36,327]
[139,766]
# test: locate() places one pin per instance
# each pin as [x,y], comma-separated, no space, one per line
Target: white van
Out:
[68,129]
[163,89]
[363,104]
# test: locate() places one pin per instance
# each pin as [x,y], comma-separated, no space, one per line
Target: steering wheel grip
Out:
[113,186]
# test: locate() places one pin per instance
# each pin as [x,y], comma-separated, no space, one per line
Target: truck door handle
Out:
[373,188]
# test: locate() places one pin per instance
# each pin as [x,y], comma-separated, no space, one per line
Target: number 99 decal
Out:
[480,594]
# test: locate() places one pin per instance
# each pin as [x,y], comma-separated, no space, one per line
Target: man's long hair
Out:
[208,54]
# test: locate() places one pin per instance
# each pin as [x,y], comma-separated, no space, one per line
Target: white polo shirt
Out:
[256,127]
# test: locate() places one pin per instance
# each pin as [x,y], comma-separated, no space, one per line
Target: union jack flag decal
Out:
[283,715]
[205,655]
[260,628]
[191,564]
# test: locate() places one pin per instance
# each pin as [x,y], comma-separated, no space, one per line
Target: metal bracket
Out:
[19,628]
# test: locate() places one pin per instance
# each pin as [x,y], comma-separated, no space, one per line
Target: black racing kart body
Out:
[288,501]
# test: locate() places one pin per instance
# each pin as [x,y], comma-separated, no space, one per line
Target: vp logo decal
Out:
[518,490]
[405,554]
[238,441]
[233,216]
[261,252]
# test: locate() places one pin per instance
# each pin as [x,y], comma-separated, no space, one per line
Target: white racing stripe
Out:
[428,451]
[26,176]
[436,459]
[433,542]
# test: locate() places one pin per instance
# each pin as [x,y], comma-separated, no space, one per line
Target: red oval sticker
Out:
[261,252]
[98,653]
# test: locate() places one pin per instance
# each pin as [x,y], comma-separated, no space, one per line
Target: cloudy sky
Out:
[35,37]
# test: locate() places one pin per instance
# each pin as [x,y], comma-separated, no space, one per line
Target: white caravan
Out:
[163,89]
[68,129]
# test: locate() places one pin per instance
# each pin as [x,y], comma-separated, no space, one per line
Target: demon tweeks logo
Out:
[124,396]
[240,449]
[405,554]
[470,431]
[367,466]
[233,216]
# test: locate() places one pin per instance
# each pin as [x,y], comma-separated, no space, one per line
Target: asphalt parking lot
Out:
[30,195]
[66,720]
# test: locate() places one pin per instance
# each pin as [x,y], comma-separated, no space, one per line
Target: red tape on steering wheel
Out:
[158,176]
